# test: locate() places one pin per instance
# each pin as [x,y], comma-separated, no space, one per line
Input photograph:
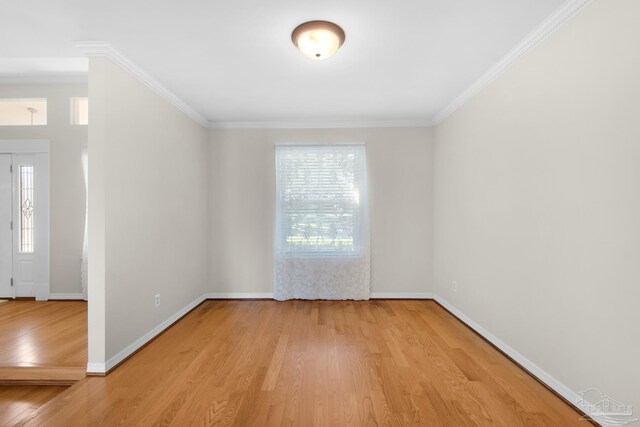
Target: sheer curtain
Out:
[84,273]
[322,223]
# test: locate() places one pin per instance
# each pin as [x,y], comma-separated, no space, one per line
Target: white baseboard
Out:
[401,295]
[133,347]
[269,295]
[95,368]
[239,295]
[563,390]
[99,368]
[74,296]
[534,369]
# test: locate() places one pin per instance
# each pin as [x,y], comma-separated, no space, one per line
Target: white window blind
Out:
[321,217]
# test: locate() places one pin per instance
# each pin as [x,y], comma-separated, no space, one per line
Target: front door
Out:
[6,239]
[26,210]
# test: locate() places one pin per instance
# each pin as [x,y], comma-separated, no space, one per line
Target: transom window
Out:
[23,112]
[79,111]
[319,189]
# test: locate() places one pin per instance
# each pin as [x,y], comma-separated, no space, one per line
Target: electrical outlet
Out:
[157,300]
[455,286]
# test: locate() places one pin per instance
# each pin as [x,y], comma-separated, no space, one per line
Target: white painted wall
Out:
[67,191]
[147,207]
[242,196]
[537,204]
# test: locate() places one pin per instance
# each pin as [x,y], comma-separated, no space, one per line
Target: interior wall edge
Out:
[106,50]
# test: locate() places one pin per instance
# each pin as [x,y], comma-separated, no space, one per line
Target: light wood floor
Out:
[19,402]
[253,363]
[43,333]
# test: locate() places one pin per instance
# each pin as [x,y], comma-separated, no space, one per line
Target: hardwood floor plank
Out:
[43,333]
[18,403]
[318,363]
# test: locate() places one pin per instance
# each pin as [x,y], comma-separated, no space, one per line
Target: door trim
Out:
[24,146]
[40,149]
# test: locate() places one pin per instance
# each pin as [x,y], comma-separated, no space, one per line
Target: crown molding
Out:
[561,16]
[322,124]
[105,50]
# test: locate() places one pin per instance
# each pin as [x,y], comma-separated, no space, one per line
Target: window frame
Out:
[358,231]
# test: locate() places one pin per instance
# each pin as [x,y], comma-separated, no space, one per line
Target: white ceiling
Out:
[233,61]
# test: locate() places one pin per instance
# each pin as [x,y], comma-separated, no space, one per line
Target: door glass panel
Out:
[26,209]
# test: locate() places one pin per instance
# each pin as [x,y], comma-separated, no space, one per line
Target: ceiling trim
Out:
[105,50]
[533,39]
[321,124]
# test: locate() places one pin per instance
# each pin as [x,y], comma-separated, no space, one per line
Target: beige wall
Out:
[67,191]
[537,204]
[242,196]
[148,208]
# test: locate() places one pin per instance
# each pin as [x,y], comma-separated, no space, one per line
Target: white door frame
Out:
[40,149]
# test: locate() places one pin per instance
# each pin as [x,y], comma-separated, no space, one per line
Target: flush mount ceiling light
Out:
[318,39]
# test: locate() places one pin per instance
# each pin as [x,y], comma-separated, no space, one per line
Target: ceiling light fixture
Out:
[318,39]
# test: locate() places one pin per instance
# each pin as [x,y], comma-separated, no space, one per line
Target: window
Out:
[23,112]
[26,209]
[319,193]
[322,227]
[79,111]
